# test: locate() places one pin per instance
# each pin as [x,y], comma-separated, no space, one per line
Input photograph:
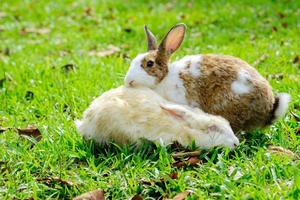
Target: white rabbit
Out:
[125,115]
[218,84]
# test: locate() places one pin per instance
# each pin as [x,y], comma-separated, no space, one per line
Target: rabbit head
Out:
[150,68]
[209,130]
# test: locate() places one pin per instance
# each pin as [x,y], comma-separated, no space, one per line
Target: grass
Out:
[34,62]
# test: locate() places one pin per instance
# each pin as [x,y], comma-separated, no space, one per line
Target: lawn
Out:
[54,60]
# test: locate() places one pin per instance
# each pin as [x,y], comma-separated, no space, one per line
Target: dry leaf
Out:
[182,195]
[88,11]
[260,60]
[137,197]
[298,131]
[92,195]
[274,29]
[186,154]
[174,175]
[296,59]
[31,131]
[281,151]
[51,180]
[192,161]
[109,51]
[179,164]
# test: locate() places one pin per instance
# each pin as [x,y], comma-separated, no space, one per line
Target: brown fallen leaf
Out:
[281,151]
[296,59]
[186,154]
[298,131]
[179,164]
[88,11]
[194,161]
[51,180]
[174,175]
[274,29]
[191,161]
[260,60]
[137,197]
[92,195]
[182,195]
[107,52]
[30,131]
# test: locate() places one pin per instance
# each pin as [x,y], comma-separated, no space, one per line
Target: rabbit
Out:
[217,84]
[125,115]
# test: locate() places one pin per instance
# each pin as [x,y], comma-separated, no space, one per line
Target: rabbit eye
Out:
[150,63]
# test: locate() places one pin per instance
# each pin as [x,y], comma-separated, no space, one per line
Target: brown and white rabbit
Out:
[218,84]
[126,114]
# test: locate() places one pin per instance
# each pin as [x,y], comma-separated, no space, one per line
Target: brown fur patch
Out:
[212,91]
[160,67]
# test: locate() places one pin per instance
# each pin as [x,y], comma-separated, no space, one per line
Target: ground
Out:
[54,61]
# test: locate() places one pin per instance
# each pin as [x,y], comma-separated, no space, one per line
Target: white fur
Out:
[195,64]
[284,100]
[138,75]
[125,115]
[242,84]
[171,87]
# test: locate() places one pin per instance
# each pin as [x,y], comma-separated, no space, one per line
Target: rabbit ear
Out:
[172,40]
[174,111]
[152,44]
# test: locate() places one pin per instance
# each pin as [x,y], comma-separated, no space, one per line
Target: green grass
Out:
[245,29]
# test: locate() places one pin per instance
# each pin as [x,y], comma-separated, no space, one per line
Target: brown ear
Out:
[173,111]
[172,40]
[151,40]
